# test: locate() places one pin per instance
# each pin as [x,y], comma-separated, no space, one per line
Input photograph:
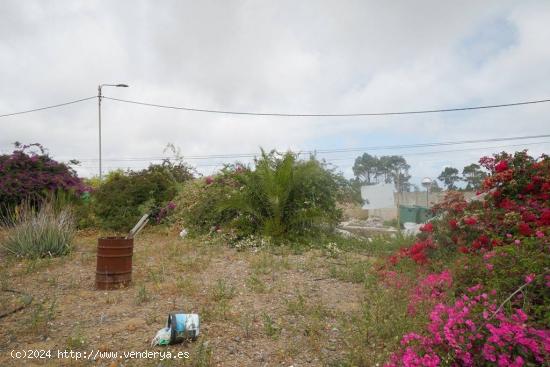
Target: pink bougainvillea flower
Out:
[501,166]
[209,180]
[530,277]
[507,204]
[525,229]
[470,221]
[539,234]
[428,227]
[488,255]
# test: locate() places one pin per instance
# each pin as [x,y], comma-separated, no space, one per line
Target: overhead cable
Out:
[328,151]
[48,107]
[357,114]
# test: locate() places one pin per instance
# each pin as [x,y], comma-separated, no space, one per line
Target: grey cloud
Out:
[288,56]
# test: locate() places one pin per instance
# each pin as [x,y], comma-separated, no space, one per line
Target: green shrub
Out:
[42,232]
[284,197]
[198,202]
[125,196]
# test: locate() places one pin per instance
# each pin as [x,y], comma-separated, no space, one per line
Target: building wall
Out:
[419,198]
[411,199]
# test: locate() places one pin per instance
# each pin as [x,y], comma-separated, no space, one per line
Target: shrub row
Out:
[281,197]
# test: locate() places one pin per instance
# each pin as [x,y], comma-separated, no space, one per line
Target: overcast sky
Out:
[274,56]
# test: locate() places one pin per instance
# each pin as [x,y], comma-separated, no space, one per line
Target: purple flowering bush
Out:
[31,174]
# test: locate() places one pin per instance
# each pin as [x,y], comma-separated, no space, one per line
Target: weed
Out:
[53,281]
[202,355]
[151,317]
[256,284]
[223,309]
[265,263]
[194,264]
[385,245]
[41,316]
[246,324]
[112,299]
[186,285]
[332,250]
[76,341]
[270,327]
[374,332]
[222,291]
[142,295]
[33,265]
[155,276]
[296,307]
[354,272]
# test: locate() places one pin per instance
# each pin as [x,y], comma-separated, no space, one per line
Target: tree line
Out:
[370,169]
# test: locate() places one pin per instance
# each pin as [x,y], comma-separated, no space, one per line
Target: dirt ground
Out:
[258,307]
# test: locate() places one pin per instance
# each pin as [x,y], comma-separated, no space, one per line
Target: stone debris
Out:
[365,227]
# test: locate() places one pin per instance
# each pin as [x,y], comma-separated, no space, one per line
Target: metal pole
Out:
[427,197]
[398,201]
[99,111]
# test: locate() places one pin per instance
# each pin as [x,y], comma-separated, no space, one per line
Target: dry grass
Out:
[256,308]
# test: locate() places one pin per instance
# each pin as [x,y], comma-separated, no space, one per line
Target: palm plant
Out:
[282,196]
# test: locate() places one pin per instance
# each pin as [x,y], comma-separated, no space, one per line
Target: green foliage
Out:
[198,202]
[176,166]
[370,169]
[284,197]
[504,270]
[270,327]
[35,233]
[473,175]
[365,168]
[449,177]
[349,191]
[142,295]
[125,196]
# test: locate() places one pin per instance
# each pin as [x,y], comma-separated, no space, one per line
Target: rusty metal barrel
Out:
[114,262]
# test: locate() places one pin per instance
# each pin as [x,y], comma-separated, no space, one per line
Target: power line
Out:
[216,164]
[278,114]
[327,151]
[455,150]
[47,107]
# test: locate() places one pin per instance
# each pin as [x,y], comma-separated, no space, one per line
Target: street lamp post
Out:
[99,97]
